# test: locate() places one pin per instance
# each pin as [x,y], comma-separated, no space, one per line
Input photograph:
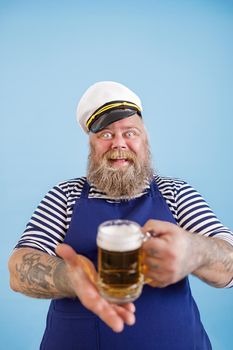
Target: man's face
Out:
[125,135]
[119,160]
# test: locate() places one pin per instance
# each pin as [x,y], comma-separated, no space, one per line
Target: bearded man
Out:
[56,256]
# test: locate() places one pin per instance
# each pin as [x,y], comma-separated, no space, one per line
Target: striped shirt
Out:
[50,221]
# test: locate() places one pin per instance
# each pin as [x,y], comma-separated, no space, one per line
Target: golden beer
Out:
[120,279]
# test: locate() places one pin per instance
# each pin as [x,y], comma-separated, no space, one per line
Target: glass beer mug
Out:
[120,277]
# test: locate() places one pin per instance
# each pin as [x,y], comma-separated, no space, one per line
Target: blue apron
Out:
[166,318]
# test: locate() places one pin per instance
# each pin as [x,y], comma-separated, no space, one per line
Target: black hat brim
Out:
[110,117]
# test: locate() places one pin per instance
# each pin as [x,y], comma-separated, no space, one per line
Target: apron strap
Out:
[154,189]
[85,190]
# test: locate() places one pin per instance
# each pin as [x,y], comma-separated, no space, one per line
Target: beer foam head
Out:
[119,237]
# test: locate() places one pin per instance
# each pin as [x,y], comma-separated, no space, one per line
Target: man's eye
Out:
[130,134]
[106,136]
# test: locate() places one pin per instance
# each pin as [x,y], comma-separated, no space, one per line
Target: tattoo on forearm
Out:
[42,278]
[60,278]
[33,271]
[220,258]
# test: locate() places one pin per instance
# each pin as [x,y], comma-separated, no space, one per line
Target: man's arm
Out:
[40,275]
[216,260]
[174,253]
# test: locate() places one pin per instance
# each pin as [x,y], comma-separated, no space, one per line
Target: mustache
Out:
[120,154]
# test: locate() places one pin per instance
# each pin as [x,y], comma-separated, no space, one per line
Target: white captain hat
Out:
[104,103]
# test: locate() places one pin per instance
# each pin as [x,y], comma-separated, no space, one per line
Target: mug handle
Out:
[145,237]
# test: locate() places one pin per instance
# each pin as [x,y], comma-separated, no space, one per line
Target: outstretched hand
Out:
[83,276]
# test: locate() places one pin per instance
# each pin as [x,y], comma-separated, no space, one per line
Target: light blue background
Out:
[177,55]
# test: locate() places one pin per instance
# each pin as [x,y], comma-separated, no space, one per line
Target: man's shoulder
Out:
[71,185]
[169,183]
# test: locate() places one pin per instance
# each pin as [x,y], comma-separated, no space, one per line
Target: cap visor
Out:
[112,116]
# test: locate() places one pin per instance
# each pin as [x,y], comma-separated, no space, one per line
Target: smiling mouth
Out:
[119,161]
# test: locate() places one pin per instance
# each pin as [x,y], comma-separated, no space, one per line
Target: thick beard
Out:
[119,183]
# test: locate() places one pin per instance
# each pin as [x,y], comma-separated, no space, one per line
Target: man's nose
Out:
[119,142]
